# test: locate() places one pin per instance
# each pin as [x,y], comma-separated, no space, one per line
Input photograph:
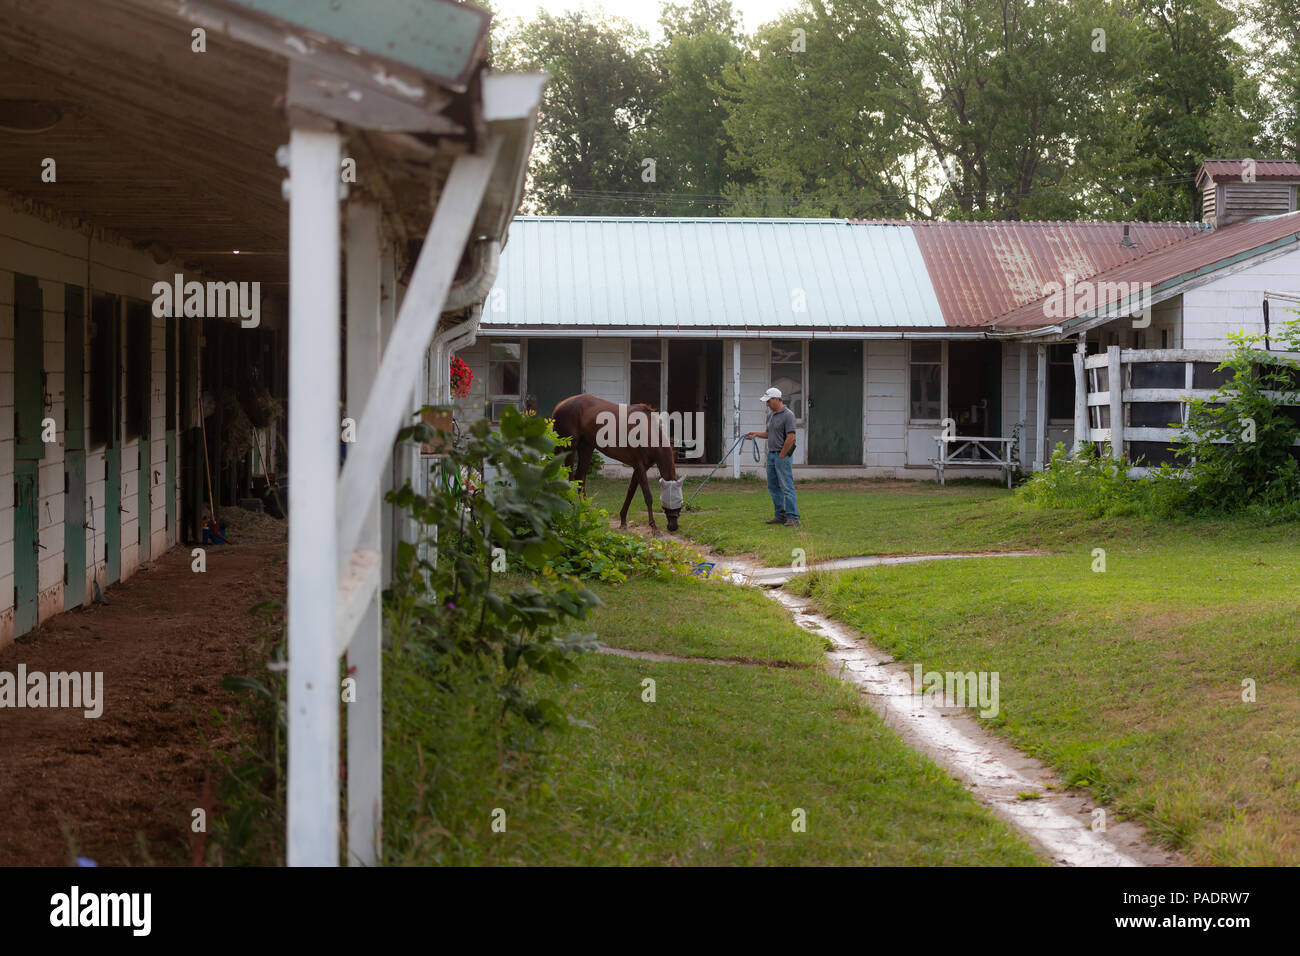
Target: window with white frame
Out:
[505,377]
[925,381]
[786,373]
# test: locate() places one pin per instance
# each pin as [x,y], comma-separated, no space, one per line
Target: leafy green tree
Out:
[590,131]
[1277,33]
[1194,100]
[687,136]
[815,117]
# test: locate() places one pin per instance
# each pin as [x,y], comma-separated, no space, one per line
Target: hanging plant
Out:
[462,377]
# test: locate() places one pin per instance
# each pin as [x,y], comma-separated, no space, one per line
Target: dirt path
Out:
[120,788]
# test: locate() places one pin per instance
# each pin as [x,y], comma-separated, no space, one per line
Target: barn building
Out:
[328,190]
[879,331]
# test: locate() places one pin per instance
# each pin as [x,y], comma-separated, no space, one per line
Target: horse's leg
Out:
[649,502]
[584,465]
[627,500]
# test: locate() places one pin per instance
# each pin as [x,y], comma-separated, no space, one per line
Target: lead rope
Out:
[737,444]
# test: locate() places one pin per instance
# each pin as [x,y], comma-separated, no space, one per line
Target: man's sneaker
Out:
[774,521]
[792,522]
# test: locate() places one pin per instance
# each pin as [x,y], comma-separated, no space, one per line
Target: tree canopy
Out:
[954,109]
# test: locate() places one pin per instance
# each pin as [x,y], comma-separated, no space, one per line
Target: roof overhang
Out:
[174,150]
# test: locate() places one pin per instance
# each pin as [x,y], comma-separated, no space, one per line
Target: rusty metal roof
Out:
[982,270]
[1265,170]
[1169,267]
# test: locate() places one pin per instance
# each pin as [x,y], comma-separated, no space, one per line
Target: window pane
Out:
[503,378]
[646,350]
[925,392]
[927,351]
[505,351]
[789,379]
[786,350]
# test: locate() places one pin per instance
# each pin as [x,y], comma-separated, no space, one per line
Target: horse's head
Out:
[670,499]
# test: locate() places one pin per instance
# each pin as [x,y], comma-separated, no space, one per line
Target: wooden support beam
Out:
[1024,404]
[389,403]
[313,707]
[360,619]
[1080,397]
[1040,424]
[735,398]
[1115,383]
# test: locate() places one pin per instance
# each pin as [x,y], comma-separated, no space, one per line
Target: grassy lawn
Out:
[1128,680]
[709,773]
[846,518]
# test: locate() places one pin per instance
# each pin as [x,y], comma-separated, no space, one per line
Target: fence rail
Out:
[1143,419]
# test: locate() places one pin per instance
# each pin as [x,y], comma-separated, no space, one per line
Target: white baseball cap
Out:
[772,392]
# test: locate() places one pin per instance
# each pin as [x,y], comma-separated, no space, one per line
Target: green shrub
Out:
[1239,445]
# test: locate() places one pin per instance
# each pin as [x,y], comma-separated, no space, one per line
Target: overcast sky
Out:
[644,13]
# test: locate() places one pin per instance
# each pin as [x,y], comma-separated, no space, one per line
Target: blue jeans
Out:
[780,485]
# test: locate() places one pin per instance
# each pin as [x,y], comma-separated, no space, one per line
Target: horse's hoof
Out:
[656,532]
[622,526]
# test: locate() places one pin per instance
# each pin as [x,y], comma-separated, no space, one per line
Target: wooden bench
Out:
[956,451]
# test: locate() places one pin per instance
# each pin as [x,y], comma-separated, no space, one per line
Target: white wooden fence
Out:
[1137,400]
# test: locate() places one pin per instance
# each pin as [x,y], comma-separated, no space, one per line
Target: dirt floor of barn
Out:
[121,788]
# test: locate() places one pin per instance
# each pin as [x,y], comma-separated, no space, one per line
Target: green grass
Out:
[847,518]
[1129,680]
[709,773]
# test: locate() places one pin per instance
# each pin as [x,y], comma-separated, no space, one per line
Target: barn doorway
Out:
[975,388]
[695,388]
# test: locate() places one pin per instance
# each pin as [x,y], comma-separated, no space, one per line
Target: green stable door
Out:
[74,448]
[29,448]
[834,403]
[554,372]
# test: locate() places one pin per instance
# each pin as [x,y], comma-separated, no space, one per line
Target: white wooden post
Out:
[1115,380]
[387,312]
[1080,396]
[313,706]
[365,657]
[735,401]
[400,371]
[1024,404]
[1040,426]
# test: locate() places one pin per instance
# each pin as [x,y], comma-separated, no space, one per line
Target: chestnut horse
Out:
[630,434]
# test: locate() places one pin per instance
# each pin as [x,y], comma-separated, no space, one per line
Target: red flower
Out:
[461,377]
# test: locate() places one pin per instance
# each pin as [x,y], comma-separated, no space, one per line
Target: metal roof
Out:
[1173,265]
[1219,170]
[982,270]
[662,273]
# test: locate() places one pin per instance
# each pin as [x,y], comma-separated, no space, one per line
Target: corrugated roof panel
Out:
[1171,264]
[728,273]
[981,270]
[1231,169]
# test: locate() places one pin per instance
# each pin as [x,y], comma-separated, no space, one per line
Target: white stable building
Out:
[877,331]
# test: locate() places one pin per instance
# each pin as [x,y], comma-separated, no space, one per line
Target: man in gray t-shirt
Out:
[780,459]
